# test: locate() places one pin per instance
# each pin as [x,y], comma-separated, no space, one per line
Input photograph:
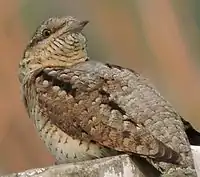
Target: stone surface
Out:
[116,166]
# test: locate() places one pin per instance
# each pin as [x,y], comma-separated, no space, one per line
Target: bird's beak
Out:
[77,26]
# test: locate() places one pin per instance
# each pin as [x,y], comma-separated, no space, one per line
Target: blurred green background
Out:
[160,39]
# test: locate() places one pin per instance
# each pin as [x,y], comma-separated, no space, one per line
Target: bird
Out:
[84,109]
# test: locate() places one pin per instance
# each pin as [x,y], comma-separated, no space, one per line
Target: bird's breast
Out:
[65,148]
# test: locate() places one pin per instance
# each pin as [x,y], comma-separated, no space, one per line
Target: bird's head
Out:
[56,42]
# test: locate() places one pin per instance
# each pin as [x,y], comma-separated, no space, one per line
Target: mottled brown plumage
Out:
[85,109]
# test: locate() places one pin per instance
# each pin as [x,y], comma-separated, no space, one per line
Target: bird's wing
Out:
[111,106]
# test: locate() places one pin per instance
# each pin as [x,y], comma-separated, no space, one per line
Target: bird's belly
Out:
[66,149]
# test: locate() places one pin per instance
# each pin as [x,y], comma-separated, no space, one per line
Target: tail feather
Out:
[167,154]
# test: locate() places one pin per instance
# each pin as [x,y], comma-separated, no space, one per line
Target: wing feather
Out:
[105,107]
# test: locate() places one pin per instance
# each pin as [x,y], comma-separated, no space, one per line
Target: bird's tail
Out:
[167,154]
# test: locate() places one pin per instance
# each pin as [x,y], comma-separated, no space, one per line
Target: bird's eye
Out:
[46,32]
